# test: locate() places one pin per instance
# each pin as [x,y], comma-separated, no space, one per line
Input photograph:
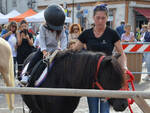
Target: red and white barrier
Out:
[134,47]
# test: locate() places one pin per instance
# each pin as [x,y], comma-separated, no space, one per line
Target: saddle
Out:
[40,70]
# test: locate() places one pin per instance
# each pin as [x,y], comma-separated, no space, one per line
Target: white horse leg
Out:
[7,69]
[12,81]
[9,97]
[9,80]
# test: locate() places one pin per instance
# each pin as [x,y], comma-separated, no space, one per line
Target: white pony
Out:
[7,70]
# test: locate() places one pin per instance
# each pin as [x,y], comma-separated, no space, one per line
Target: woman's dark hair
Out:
[13,23]
[101,7]
[23,22]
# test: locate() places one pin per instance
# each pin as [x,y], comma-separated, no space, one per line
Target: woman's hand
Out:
[7,34]
[78,46]
[19,38]
[10,32]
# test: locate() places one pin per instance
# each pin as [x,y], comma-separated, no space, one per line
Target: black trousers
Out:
[36,57]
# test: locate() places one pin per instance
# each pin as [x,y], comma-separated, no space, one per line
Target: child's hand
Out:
[45,53]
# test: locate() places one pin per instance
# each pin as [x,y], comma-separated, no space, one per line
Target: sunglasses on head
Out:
[102,7]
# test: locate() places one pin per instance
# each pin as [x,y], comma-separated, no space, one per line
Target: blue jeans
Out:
[93,103]
[146,58]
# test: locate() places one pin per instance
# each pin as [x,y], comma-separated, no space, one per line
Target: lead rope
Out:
[130,101]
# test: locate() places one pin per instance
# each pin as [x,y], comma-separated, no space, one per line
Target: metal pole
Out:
[74,92]
[31,4]
[72,11]
[6,6]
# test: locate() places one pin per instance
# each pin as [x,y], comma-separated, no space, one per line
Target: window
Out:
[14,3]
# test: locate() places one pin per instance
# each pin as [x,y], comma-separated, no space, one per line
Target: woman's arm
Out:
[123,58]
[30,41]
[132,37]
[7,34]
[19,38]
[63,40]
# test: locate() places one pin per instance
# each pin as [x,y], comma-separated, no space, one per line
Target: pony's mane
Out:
[80,65]
[65,53]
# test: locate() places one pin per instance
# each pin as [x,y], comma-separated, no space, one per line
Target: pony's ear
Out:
[117,55]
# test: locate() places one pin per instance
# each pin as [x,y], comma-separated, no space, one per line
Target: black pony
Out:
[75,70]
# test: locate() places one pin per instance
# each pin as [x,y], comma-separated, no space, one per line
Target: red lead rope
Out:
[130,101]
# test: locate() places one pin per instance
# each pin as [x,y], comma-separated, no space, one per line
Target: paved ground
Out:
[82,107]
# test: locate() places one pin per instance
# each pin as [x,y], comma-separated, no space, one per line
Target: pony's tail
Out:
[10,97]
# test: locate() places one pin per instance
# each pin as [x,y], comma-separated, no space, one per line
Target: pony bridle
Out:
[96,74]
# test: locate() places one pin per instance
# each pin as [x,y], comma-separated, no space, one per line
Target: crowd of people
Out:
[53,34]
[127,35]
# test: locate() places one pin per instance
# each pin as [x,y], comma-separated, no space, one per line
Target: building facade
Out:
[133,12]
[20,5]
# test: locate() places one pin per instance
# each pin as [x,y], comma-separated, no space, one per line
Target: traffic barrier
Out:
[136,47]
[134,52]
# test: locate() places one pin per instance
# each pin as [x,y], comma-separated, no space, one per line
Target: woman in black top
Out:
[104,39]
[25,45]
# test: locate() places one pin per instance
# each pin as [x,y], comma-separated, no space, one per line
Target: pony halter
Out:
[96,74]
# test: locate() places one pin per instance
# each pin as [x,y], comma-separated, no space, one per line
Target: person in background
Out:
[52,37]
[128,36]
[36,43]
[147,55]
[120,29]
[74,31]
[0,29]
[25,45]
[143,31]
[11,36]
[5,30]
[100,38]
[66,31]
[138,34]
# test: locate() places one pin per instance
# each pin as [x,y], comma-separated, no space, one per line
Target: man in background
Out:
[120,29]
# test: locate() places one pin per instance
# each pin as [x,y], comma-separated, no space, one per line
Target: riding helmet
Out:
[55,17]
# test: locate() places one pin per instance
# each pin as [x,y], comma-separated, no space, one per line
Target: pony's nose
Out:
[121,107]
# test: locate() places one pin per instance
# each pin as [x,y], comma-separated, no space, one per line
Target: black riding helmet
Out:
[55,17]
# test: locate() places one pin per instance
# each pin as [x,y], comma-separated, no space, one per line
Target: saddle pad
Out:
[24,69]
[43,76]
